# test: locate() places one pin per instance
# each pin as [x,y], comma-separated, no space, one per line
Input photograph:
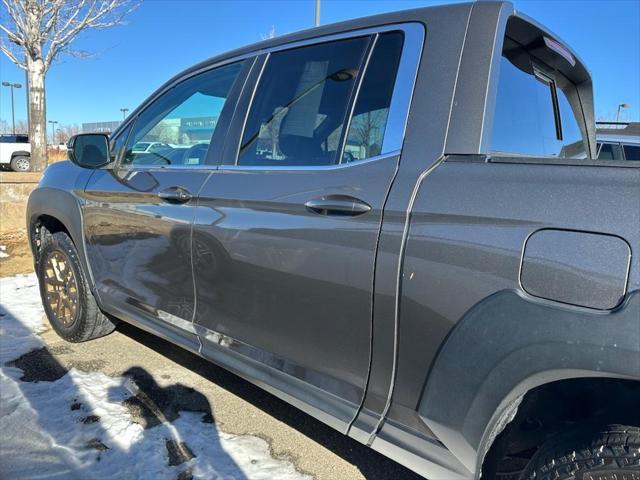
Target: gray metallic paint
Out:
[425,375]
[569,267]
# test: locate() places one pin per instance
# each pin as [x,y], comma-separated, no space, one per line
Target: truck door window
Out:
[532,117]
[300,105]
[177,127]
[369,121]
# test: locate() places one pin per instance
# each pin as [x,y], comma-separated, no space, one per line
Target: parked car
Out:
[15,152]
[618,141]
[382,231]
[149,146]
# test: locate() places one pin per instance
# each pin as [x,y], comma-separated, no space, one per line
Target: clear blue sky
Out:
[163,37]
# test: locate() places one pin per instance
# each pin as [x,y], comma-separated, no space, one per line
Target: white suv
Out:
[15,152]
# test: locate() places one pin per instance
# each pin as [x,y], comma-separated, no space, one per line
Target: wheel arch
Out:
[51,207]
[510,344]
[21,153]
[519,428]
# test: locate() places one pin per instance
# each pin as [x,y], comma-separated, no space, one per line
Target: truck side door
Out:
[138,215]
[286,230]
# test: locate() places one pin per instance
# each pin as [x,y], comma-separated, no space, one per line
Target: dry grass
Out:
[19,259]
[56,155]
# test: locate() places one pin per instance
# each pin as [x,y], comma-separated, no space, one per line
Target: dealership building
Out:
[100,127]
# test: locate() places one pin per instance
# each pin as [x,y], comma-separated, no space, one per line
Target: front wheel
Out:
[609,453]
[66,297]
[20,163]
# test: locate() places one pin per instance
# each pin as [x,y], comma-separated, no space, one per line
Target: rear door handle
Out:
[175,195]
[337,205]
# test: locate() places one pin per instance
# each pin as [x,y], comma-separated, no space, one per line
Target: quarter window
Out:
[116,146]
[178,127]
[371,111]
[532,117]
[300,106]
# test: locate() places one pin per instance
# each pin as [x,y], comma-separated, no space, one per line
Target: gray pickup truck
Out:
[377,222]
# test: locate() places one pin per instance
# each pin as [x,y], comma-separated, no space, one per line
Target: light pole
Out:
[124,113]
[620,107]
[53,131]
[13,115]
[317,17]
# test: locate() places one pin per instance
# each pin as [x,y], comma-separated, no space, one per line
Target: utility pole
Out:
[124,113]
[53,131]
[13,113]
[317,19]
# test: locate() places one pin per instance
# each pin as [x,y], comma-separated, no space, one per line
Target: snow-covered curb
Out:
[77,426]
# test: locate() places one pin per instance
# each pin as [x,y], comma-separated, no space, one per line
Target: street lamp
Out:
[124,113]
[53,131]
[620,107]
[317,17]
[13,115]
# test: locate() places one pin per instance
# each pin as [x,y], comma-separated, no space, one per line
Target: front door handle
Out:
[175,195]
[337,205]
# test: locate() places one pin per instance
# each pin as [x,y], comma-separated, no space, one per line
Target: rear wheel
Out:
[66,297]
[20,163]
[609,453]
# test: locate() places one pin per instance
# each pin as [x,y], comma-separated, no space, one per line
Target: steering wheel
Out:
[199,151]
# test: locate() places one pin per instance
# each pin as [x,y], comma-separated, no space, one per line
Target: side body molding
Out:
[508,344]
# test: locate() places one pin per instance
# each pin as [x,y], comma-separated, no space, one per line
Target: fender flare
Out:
[508,344]
[64,207]
[20,153]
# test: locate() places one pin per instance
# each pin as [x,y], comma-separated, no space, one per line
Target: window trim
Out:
[406,76]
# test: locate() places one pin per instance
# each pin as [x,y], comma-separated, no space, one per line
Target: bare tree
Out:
[64,133]
[367,131]
[33,33]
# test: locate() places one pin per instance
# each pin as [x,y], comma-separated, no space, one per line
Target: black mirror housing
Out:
[89,150]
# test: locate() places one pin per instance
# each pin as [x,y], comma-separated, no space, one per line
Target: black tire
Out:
[20,163]
[86,321]
[608,453]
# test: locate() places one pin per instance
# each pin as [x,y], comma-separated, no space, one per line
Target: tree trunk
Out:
[37,114]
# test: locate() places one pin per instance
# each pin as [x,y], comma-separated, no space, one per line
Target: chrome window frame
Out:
[406,76]
[403,91]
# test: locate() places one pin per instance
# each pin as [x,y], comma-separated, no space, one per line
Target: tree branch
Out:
[12,57]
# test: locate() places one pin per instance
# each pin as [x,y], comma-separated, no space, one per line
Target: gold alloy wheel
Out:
[61,288]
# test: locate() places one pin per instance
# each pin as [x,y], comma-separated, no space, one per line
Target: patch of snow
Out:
[3,251]
[42,435]
[20,316]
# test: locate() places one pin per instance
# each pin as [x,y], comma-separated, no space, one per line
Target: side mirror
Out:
[89,150]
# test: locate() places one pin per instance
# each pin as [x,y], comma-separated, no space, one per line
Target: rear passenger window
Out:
[300,106]
[533,117]
[369,121]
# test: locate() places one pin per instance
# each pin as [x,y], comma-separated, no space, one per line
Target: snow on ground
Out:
[77,427]
[3,251]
